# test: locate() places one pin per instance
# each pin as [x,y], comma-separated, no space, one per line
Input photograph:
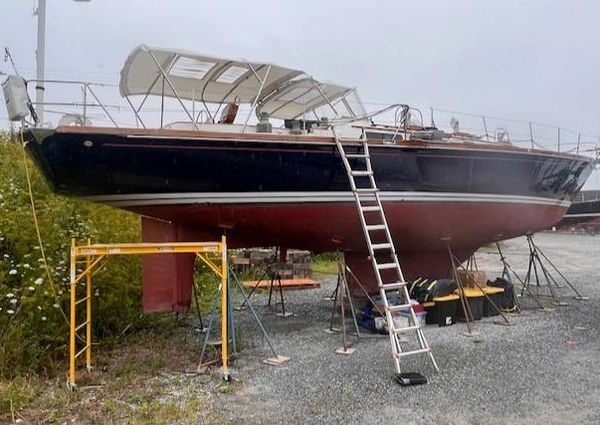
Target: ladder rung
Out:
[407,329]
[80,352]
[410,353]
[392,286]
[81,326]
[381,246]
[399,307]
[357,155]
[367,190]
[81,300]
[361,173]
[370,208]
[385,266]
[371,227]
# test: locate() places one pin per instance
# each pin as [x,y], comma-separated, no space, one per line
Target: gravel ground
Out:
[545,368]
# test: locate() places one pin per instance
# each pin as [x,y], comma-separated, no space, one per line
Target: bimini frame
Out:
[213,254]
[204,79]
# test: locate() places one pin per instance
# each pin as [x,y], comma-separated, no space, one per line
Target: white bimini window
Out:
[185,67]
[231,74]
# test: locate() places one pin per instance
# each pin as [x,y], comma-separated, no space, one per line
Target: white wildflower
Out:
[6,256]
[10,295]
[39,307]
[26,266]
[10,312]
[13,301]
[12,272]
[31,288]
[39,281]
[56,306]
[43,318]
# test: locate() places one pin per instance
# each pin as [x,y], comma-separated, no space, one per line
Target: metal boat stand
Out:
[276,360]
[342,293]
[507,271]
[195,292]
[271,272]
[455,265]
[537,269]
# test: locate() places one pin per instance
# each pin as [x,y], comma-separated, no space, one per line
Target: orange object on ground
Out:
[285,283]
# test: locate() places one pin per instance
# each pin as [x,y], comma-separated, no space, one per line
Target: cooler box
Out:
[444,311]
[494,294]
[475,299]
[430,310]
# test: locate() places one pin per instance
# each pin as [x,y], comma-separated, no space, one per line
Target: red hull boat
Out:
[287,186]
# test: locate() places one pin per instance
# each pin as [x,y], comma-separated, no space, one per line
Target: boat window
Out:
[231,74]
[190,68]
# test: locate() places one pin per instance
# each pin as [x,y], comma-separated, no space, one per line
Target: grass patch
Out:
[16,394]
[135,382]
[324,264]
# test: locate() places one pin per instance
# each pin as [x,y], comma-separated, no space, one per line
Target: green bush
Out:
[33,327]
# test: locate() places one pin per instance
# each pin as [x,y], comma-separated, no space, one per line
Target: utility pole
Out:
[40,55]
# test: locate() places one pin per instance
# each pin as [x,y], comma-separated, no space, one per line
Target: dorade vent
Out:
[185,67]
[231,74]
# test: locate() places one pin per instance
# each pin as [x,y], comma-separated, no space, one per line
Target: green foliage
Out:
[325,263]
[33,327]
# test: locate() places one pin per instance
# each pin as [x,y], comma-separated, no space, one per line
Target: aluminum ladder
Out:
[382,252]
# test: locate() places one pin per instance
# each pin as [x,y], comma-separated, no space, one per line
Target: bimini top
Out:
[281,92]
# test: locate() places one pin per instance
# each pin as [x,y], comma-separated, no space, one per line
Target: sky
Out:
[533,60]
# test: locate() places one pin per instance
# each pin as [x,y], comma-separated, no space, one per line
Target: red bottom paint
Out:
[420,231]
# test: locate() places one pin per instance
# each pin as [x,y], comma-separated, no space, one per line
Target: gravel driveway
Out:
[545,368]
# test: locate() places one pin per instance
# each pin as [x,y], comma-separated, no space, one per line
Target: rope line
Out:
[37,229]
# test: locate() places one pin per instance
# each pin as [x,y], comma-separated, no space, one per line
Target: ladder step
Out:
[407,329]
[410,353]
[367,190]
[399,307]
[370,208]
[392,286]
[385,266]
[381,246]
[357,155]
[371,227]
[361,173]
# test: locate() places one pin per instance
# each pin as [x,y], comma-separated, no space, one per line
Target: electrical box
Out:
[16,97]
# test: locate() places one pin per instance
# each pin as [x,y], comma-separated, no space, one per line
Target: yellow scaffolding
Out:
[92,255]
